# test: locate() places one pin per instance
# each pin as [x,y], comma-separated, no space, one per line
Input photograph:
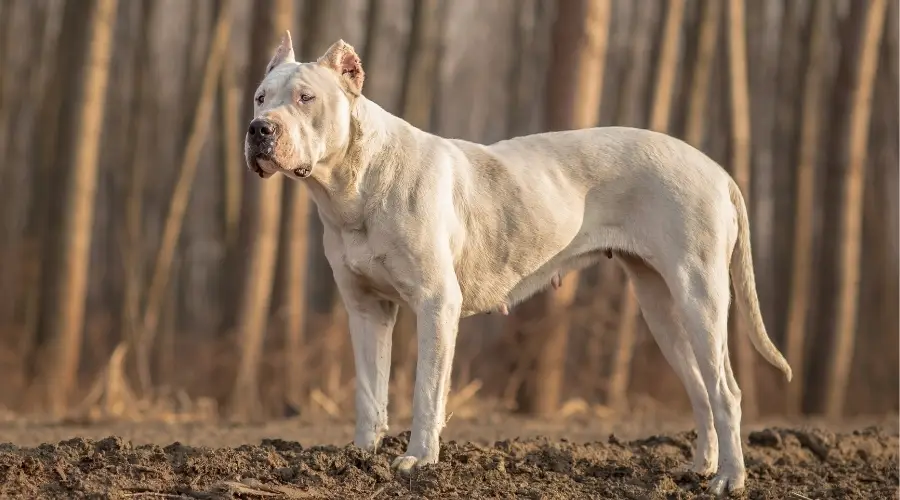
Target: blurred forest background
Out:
[145,270]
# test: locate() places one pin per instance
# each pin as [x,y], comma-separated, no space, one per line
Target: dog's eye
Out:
[261,98]
[306,98]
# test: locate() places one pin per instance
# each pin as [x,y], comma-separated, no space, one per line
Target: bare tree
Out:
[740,164]
[805,206]
[388,30]
[6,25]
[851,220]
[38,331]
[706,53]
[200,124]
[271,19]
[22,92]
[142,116]
[83,147]
[778,183]
[229,95]
[659,121]
[574,88]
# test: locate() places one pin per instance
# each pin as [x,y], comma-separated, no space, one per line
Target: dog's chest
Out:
[366,261]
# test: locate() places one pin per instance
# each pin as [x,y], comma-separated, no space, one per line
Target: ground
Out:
[498,456]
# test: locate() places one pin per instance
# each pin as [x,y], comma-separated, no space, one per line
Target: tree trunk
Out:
[851,220]
[143,116]
[740,164]
[200,123]
[22,102]
[271,20]
[6,26]
[659,121]
[706,54]
[64,351]
[805,206]
[388,30]
[574,89]
[230,95]
[43,221]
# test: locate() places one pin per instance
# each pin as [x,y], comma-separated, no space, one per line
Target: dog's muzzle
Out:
[261,136]
[262,132]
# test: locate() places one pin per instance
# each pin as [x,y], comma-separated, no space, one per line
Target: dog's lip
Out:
[257,166]
[302,171]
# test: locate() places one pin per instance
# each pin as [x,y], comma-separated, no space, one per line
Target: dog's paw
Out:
[369,436]
[405,464]
[369,442]
[704,466]
[726,482]
[698,469]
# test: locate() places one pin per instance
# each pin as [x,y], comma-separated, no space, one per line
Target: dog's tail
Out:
[745,286]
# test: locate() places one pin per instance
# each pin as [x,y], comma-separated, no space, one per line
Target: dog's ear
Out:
[284,53]
[342,58]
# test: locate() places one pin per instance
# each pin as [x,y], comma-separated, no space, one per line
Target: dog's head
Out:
[301,111]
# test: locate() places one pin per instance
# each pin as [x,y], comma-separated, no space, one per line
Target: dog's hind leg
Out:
[437,323]
[701,292]
[667,328]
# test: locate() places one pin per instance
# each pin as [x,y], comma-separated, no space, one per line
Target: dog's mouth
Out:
[265,167]
[303,172]
[257,165]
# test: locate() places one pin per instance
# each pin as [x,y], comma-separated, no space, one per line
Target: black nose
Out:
[261,128]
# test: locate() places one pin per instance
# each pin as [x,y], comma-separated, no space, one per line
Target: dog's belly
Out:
[504,285]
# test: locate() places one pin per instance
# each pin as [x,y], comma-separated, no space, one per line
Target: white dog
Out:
[454,228]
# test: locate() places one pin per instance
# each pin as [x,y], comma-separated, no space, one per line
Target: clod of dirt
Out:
[781,463]
[766,438]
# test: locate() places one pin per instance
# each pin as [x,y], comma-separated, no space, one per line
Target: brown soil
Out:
[800,462]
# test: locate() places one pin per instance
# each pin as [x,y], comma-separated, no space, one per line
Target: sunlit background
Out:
[145,273]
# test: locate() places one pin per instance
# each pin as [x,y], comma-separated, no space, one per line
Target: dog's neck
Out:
[339,184]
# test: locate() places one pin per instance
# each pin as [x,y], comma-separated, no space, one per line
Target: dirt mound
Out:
[801,463]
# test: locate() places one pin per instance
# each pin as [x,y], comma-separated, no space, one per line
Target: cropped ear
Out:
[342,58]
[283,54]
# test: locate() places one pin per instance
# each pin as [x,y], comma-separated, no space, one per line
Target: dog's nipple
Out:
[556,281]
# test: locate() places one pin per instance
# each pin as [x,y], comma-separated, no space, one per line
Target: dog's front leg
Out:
[437,324]
[371,325]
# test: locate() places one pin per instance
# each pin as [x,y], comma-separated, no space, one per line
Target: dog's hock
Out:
[342,58]
[283,54]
